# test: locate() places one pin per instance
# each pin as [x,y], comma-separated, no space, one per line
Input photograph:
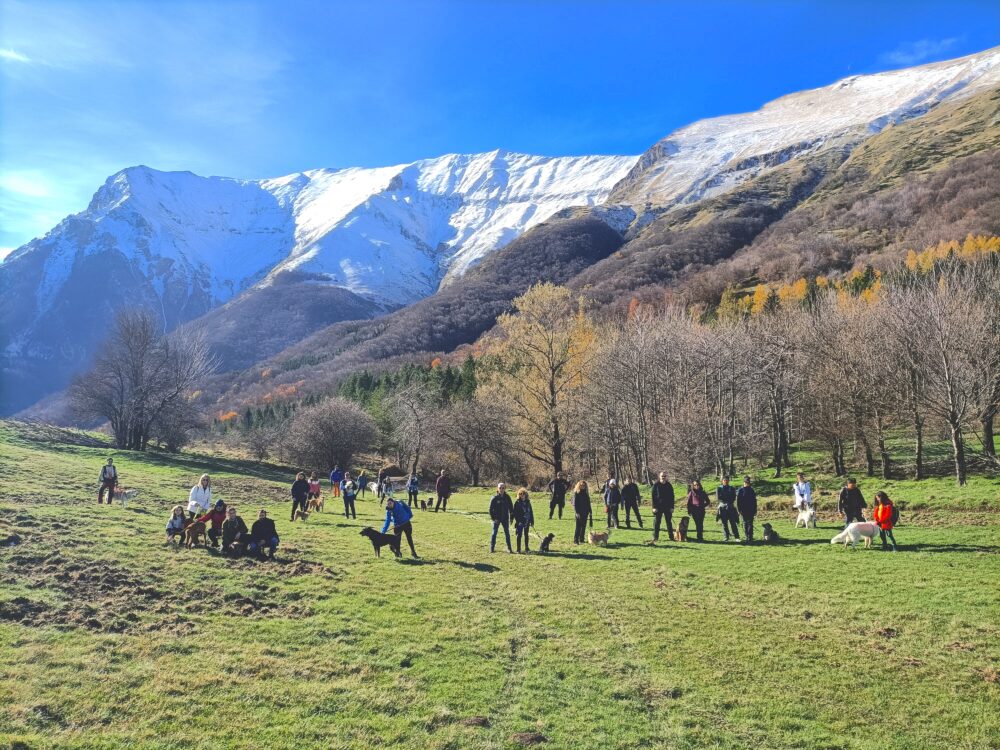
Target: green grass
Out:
[109,639]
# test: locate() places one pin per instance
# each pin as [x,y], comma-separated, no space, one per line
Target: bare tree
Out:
[329,433]
[412,414]
[477,431]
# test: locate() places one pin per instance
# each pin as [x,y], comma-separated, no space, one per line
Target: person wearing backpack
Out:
[886,515]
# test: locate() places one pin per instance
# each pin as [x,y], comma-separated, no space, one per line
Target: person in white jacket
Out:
[200,499]
[803,492]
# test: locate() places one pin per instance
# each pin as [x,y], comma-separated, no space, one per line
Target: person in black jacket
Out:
[630,498]
[263,535]
[746,505]
[524,518]
[583,511]
[300,493]
[852,503]
[663,506]
[558,487]
[501,511]
[725,496]
[612,499]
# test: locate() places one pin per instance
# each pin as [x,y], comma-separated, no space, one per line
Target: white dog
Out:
[855,532]
[807,515]
[125,495]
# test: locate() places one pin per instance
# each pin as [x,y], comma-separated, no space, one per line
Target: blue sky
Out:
[260,89]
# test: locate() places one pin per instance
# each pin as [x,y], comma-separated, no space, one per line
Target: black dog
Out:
[770,535]
[423,505]
[546,542]
[380,540]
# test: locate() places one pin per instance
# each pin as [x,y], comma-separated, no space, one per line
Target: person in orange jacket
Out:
[885,516]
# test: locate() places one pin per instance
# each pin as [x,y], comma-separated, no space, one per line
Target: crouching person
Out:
[234,534]
[215,517]
[263,536]
[176,524]
[400,516]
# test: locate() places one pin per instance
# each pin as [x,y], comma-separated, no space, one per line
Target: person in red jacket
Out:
[885,516]
[216,517]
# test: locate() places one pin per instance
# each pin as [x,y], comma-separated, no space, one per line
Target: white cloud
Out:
[24,183]
[13,56]
[5,251]
[912,53]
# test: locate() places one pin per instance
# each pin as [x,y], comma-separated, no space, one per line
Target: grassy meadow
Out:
[111,639]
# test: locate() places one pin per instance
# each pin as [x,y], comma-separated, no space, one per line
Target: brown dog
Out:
[681,533]
[599,538]
[316,504]
[194,532]
[301,515]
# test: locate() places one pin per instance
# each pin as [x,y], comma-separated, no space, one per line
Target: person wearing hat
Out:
[108,480]
[216,517]
[501,511]
[852,503]
[612,499]
[400,516]
[200,497]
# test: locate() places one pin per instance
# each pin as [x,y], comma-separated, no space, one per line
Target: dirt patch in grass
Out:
[527,739]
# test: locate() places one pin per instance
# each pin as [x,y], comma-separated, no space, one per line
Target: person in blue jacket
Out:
[336,477]
[400,516]
[412,489]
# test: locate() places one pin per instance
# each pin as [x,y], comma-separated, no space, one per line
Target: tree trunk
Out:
[958,448]
[989,445]
[918,447]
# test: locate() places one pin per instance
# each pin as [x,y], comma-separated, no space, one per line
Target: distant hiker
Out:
[725,496]
[263,536]
[400,516]
[443,488]
[235,535]
[663,506]
[501,511]
[350,490]
[558,487]
[746,506]
[200,497]
[631,498]
[176,524]
[803,492]
[383,477]
[314,488]
[612,499]
[524,518]
[216,517]
[697,505]
[413,490]
[300,493]
[108,480]
[362,483]
[583,512]
[885,515]
[852,503]
[336,477]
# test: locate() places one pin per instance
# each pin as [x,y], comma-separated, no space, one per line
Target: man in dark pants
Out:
[501,511]
[558,487]
[852,503]
[612,499]
[300,493]
[443,488]
[663,506]
[400,516]
[630,498]
[108,480]
[263,536]
[583,512]
[746,504]
[350,489]
[725,496]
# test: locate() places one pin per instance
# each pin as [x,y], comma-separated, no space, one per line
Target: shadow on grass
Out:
[584,555]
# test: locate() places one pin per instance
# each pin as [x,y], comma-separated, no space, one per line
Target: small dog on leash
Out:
[855,532]
[301,515]
[770,535]
[544,546]
[423,503]
[316,504]
[195,532]
[599,538]
[807,516]
[123,495]
[681,532]
[380,540]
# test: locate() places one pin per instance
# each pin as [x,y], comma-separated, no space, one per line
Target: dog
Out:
[599,538]
[379,540]
[806,516]
[301,515]
[544,546]
[423,504]
[316,504]
[124,495]
[681,532]
[770,535]
[193,532]
[855,532]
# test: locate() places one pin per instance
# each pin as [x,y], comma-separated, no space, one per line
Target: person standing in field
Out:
[697,505]
[300,493]
[663,506]
[314,487]
[612,499]
[524,518]
[885,515]
[558,487]
[336,477]
[803,492]
[108,481]
[200,497]
[746,505]
[583,512]
[350,489]
[725,496]
[631,498]
[501,511]
[362,483]
[443,489]
[383,478]
[852,503]
[413,490]
[400,516]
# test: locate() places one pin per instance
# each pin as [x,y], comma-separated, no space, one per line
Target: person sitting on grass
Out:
[216,517]
[885,515]
[234,534]
[176,524]
[501,511]
[400,516]
[524,518]
[263,536]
